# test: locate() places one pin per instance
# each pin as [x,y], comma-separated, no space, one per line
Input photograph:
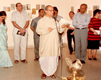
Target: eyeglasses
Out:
[50,10]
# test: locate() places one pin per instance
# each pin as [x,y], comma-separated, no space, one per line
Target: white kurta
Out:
[49,47]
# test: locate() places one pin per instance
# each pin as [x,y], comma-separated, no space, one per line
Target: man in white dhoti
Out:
[49,47]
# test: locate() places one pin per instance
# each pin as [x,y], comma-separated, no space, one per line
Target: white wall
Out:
[33,5]
[64,7]
[76,4]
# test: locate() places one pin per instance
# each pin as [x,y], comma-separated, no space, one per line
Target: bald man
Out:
[80,22]
[49,47]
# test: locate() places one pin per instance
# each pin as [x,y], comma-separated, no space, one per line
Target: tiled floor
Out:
[32,71]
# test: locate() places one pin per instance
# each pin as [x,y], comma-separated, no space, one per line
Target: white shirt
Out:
[62,22]
[70,21]
[59,18]
[20,19]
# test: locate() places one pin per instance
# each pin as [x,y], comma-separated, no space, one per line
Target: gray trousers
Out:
[36,44]
[81,36]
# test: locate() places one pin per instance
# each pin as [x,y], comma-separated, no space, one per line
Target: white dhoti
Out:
[49,64]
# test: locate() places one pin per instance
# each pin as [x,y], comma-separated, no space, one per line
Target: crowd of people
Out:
[84,31]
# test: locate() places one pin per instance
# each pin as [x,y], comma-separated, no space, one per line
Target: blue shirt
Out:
[81,20]
[34,25]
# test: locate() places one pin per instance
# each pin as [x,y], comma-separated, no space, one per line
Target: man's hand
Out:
[50,29]
[72,33]
[22,30]
[82,25]
[67,25]
[63,26]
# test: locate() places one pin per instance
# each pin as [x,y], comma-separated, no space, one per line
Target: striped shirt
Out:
[95,23]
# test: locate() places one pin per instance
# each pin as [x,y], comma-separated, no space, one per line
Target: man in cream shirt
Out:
[49,43]
[20,21]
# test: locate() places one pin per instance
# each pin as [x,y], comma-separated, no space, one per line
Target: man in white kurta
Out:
[49,43]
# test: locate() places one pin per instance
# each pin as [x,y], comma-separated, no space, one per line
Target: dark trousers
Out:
[69,39]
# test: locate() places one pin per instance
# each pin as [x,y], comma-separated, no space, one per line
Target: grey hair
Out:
[46,8]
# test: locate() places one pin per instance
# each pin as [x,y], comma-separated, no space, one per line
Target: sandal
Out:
[16,61]
[5,67]
[24,61]
[53,76]
[43,76]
